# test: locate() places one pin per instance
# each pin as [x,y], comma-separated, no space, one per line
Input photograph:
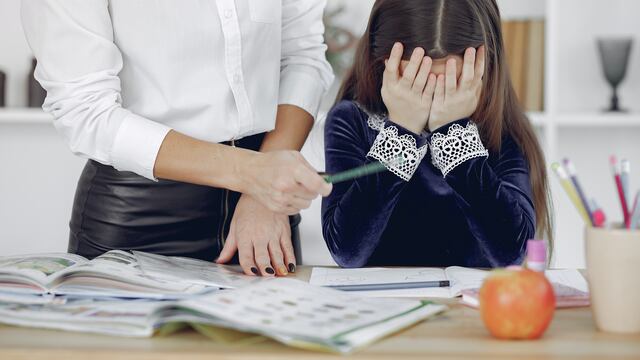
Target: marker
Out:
[623,201]
[392,286]
[571,169]
[369,169]
[563,176]
[635,218]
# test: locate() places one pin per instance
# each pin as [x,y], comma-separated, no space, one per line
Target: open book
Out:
[114,274]
[290,311]
[460,279]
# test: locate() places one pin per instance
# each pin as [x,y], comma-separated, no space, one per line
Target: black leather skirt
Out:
[122,210]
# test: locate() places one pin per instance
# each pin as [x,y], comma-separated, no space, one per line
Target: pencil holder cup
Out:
[613,262]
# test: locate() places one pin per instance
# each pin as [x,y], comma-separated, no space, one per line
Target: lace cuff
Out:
[389,146]
[457,146]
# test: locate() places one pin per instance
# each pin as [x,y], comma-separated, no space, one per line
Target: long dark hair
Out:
[443,28]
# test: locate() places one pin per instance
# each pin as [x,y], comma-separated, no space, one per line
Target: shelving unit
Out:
[24,116]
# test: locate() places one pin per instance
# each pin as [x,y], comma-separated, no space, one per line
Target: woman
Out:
[184,91]
[471,184]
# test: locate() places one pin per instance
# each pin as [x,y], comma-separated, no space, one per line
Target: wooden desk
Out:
[458,333]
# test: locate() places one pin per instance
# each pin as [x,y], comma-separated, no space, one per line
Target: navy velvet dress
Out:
[479,214]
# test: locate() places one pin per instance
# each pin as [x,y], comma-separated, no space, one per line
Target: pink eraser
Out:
[536,251]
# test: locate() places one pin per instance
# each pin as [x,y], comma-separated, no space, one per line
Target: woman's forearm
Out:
[183,158]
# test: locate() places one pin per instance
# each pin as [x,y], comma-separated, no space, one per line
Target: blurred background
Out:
[561,75]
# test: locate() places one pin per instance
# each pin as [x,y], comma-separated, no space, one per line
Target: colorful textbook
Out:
[139,295]
[289,311]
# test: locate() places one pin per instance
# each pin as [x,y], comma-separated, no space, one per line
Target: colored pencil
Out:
[599,216]
[369,169]
[618,181]
[625,171]
[571,169]
[566,183]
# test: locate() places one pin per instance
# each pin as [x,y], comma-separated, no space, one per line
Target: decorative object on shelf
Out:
[3,80]
[614,53]
[36,94]
[340,41]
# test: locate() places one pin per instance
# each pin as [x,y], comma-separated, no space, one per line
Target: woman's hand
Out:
[261,238]
[408,97]
[282,181]
[454,100]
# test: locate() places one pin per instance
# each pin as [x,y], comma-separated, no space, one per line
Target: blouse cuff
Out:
[398,149]
[454,144]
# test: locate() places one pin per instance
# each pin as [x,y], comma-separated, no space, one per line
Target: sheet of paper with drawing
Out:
[459,278]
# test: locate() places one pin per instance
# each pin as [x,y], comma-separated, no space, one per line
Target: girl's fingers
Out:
[480,63]
[429,91]
[392,68]
[277,258]
[439,92]
[451,81]
[230,248]
[409,74]
[468,67]
[423,75]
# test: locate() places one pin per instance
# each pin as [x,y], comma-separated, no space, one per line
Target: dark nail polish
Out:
[270,271]
[255,271]
[292,268]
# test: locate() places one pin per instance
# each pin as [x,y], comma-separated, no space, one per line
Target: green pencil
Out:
[369,169]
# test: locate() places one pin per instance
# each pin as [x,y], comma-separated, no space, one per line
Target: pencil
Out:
[618,181]
[576,183]
[392,286]
[369,169]
[625,171]
[563,176]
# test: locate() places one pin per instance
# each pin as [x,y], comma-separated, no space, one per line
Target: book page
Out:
[464,278]
[292,308]
[568,277]
[35,270]
[193,271]
[117,273]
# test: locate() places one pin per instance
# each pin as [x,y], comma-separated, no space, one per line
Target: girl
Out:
[472,187]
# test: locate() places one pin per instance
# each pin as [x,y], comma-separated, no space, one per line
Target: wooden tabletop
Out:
[458,333]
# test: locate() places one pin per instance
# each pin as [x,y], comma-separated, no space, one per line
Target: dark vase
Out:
[36,93]
[614,53]
[3,81]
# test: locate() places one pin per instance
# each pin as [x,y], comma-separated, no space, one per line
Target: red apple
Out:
[517,304]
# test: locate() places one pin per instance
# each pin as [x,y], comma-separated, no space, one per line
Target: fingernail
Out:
[283,270]
[255,271]
[270,271]
[292,268]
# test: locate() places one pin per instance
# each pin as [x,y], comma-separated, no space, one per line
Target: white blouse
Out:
[120,74]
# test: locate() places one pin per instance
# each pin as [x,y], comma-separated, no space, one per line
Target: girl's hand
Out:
[408,97]
[455,100]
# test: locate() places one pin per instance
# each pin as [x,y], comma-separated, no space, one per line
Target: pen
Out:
[574,179]
[623,201]
[392,286]
[369,169]
[562,174]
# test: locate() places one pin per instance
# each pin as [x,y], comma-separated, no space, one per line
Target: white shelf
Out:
[597,120]
[24,116]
